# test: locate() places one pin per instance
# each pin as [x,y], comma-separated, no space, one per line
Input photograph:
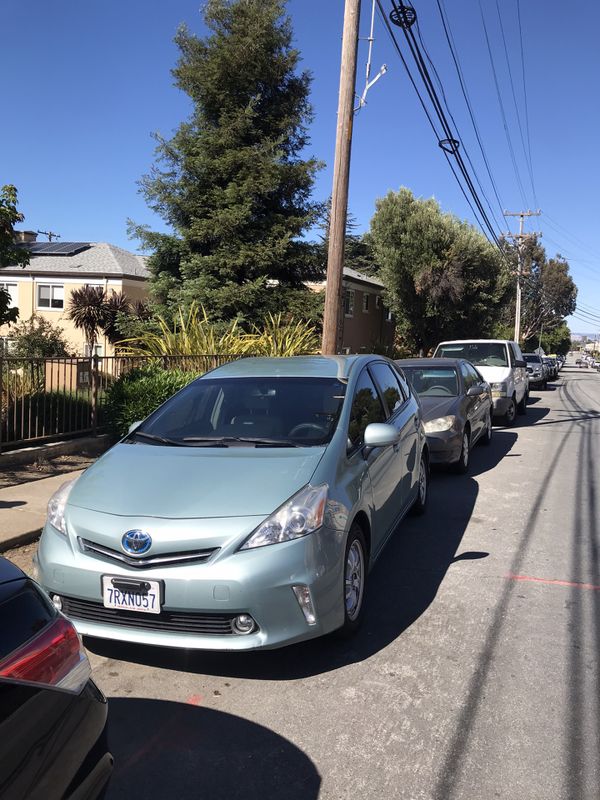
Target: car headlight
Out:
[438,425]
[57,504]
[300,515]
[500,388]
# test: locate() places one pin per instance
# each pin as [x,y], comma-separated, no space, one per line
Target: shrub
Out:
[137,393]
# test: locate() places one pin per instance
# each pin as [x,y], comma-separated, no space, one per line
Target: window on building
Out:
[349,302]
[12,290]
[98,350]
[388,316]
[377,301]
[50,295]
[366,298]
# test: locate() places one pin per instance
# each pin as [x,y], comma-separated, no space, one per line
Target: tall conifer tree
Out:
[233,182]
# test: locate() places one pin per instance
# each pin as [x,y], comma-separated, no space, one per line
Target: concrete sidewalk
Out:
[23,509]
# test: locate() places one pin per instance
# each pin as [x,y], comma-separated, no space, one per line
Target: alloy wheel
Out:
[354,579]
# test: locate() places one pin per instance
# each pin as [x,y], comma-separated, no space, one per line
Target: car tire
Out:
[420,504]
[462,465]
[511,413]
[522,406]
[486,436]
[355,572]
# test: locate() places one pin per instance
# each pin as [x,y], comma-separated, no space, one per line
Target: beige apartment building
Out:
[58,268]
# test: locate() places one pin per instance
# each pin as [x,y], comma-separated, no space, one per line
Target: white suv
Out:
[501,363]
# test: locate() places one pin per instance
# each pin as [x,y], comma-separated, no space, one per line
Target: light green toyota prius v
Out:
[243,513]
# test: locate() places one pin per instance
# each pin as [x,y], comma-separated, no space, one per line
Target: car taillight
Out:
[55,657]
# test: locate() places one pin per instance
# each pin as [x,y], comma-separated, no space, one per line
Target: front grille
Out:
[145,562]
[167,621]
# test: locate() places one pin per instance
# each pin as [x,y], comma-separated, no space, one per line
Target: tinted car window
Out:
[389,386]
[366,408]
[304,410]
[24,611]
[433,381]
[532,359]
[482,354]
[475,376]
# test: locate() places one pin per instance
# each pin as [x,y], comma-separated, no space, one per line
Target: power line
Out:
[502,111]
[525,93]
[450,114]
[514,96]
[450,144]
[451,44]
[392,36]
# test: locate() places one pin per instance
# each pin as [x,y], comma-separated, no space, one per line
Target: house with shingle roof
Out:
[57,268]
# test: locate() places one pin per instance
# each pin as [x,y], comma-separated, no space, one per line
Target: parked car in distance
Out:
[457,407]
[52,715]
[246,511]
[552,368]
[537,372]
[501,363]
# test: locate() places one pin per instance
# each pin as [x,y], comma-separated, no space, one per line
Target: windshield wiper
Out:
[156,438]
[226,440]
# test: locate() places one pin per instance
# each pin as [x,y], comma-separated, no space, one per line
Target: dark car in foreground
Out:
[52,715]
[457,406]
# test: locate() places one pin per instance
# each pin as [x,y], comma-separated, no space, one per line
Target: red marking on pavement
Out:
[194,700]
[552,582]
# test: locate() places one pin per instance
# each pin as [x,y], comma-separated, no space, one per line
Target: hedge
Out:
[138,393]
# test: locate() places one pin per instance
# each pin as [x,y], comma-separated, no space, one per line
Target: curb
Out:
[20,539]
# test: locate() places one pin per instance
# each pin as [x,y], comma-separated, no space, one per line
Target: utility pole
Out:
[519,238]
[332,319]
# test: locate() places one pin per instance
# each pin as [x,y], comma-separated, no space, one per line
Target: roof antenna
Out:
[50,234]
[362,100]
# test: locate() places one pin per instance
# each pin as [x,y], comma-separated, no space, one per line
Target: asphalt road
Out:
[475,675]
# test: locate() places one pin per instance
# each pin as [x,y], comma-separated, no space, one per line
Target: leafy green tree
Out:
[37,337]
[443,278]
[548,293]
[10,254]
[232,183]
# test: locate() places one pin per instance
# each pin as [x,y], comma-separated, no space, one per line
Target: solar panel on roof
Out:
[54,248]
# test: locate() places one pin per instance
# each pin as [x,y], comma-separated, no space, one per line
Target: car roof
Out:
[430,362]
[315,366]
[477,341]
[9,571]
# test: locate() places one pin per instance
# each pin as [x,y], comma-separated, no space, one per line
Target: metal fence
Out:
[44,399]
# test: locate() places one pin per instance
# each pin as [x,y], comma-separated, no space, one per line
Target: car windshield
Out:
[532,359]
[251,411]
[432,382]
[482,354]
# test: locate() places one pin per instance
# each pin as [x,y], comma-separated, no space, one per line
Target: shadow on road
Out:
[12,503]
[176,750]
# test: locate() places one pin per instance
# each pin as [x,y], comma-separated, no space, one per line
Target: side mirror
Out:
[474,391]
[133,426]
[379,434]
[520,363]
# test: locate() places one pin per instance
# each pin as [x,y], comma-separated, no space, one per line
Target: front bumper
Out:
[444,447]
[256,582]
[500,406]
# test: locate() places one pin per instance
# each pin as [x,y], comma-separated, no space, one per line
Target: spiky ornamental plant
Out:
[232,183]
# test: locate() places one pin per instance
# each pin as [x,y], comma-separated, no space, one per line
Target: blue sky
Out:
[86,83]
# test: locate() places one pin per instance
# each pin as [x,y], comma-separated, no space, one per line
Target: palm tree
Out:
[87,311]
[93,311]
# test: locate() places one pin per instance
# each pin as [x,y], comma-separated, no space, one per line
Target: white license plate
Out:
[146,601]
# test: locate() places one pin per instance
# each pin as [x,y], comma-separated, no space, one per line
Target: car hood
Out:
[434,407]
[495,374]
[184,482]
